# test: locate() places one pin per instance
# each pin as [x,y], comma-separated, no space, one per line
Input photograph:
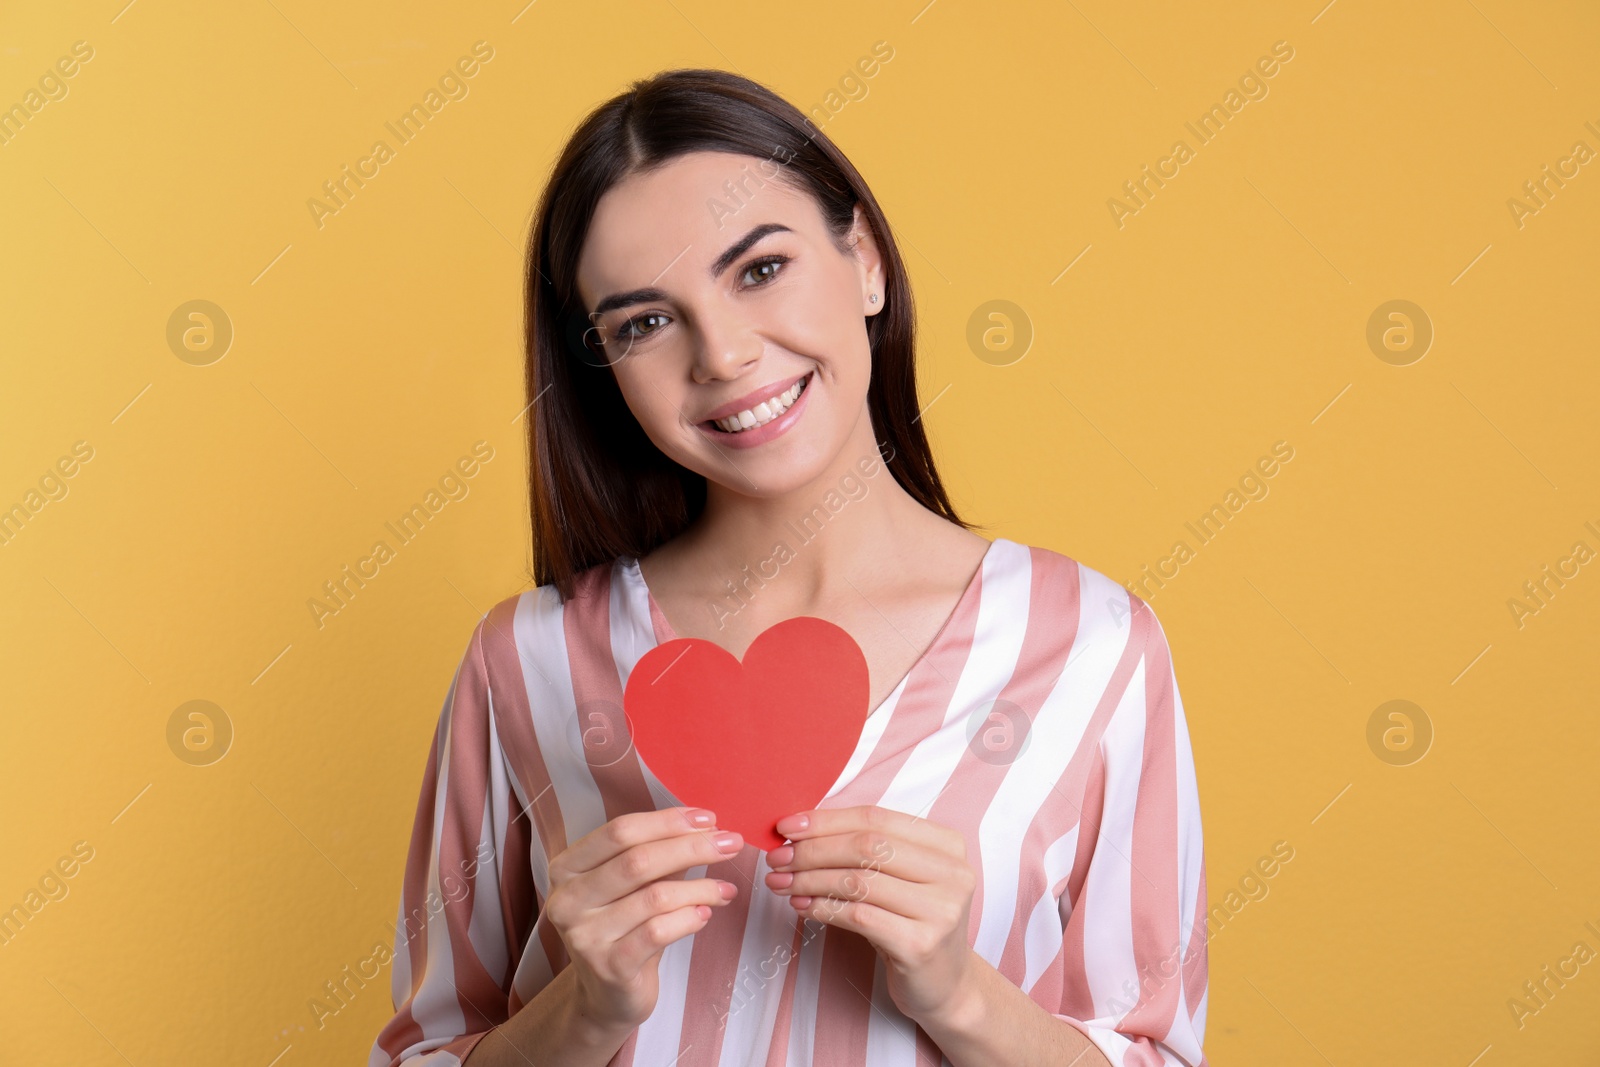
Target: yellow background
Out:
[1229,313]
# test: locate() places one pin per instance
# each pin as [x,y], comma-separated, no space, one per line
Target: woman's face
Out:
[708,281]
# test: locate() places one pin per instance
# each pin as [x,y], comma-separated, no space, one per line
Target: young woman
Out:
[725,433]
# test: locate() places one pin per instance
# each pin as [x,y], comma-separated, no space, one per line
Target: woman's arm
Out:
[551,1031]
[994,1021]
[468,902]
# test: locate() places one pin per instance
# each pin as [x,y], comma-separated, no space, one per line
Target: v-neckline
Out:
[663,632]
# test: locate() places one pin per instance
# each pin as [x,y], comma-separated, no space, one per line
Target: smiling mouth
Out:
[762,413]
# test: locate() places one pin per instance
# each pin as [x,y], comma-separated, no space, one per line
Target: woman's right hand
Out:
[617,899]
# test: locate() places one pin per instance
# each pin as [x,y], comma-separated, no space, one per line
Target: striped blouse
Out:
[1043,722]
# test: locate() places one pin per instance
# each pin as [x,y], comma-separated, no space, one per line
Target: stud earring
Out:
[873,299]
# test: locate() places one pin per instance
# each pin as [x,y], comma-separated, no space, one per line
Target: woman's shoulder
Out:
[546,600]
[1105,608]
[1054,566]
[523,625]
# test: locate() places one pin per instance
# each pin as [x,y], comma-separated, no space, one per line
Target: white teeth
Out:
[763,412]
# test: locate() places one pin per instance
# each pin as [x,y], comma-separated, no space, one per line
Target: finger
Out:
[882,928]
[616,836]
[616,921]
[669,857]
[646,940]
[824,821]
[867,850]
[909,899]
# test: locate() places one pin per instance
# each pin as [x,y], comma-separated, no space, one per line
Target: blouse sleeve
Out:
[1135,938]
[467,901]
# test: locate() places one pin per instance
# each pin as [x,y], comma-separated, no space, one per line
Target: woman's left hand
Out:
[899,881]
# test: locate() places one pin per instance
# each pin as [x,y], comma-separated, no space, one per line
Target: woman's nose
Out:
[725,345]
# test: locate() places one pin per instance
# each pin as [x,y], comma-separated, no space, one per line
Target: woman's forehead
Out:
[683,214]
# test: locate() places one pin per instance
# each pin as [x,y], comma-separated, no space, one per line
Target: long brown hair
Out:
[598,486]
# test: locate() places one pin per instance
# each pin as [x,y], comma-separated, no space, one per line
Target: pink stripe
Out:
[1196,964]
[464,725]
[1054,616]
[597,686]
[714,954]
[514,723]
[658,622]
[1052,822]
[1157,944]
[1051,623]
[520,906]
[844,998]
[483,1001]
[778,1051]
[1063,986]
[402,1030]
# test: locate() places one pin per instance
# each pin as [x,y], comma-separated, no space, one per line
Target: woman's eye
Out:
[772,262]
[764,269]
[631,329]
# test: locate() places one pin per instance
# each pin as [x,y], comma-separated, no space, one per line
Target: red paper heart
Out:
[757,740]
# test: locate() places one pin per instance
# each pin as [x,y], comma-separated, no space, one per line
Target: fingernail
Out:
[792,824]
[779,856]
[702,817]
[728,841]
[727,889]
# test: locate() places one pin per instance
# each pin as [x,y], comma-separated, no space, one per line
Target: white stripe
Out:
[1031,786]
[436,1010]
[1047,920]
[399,979]
[803,1007]
[541,643]
[1190,853]
[486,930]
[1091,666]
[1183,1034]
[1107,892]
[1025,786]
[1105,630]
[633,634]
[872,731]
[928,771]
[764,958]
[1114,1044]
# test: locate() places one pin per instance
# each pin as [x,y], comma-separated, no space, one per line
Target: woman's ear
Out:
[869,261]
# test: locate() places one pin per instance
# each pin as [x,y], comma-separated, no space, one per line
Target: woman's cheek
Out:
[645,399]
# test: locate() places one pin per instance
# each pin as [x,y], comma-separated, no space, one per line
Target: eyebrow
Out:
[720,264]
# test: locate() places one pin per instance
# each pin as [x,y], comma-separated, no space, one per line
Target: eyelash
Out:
[627,331]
